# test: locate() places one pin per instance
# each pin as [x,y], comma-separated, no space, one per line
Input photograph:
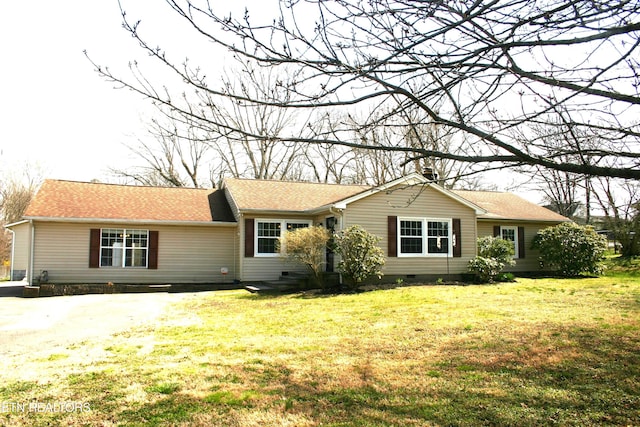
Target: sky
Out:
[56,112]
[58,116]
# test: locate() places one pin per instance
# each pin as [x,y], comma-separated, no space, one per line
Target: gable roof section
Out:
[286,196]
[509,206]
[413,179]
[69,200]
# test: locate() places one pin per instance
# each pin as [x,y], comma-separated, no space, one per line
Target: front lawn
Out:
[534,352]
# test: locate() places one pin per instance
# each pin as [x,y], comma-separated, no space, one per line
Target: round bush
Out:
[571,249]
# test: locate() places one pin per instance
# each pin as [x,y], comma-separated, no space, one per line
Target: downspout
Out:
[240,252]
[338,214]
[32,246]
[13,251]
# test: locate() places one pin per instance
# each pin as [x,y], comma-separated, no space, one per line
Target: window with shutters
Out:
[124,247]
[511,234]
[424,237]
[269,231]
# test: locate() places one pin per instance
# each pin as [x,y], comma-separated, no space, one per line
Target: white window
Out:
[268,231]
[511,234]
[123,247]
[424,237]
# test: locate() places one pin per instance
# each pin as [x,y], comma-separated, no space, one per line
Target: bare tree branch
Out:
[479,71]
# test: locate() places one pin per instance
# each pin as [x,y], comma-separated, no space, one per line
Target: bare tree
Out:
[564,192]
[479,68]
[620,202]
[187,150]
[16,192]
[176,154]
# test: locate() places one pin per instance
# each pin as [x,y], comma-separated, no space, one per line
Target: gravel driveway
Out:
[33,328]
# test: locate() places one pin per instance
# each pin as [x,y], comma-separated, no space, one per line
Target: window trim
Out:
[283,226]
[425,238]
[124,249]
[516,243]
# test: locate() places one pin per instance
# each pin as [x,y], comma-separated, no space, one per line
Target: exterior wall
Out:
[260,268]
[185,254]
[20,251]
[530,261]
[416,201]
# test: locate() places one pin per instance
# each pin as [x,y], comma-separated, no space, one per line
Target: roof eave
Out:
[501,218]
[133,221]
[13,224]
[478,210]
[280,212]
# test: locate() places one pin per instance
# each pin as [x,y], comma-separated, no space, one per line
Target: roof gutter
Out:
[134,221]
[493,219]
[281,212]
[13,224]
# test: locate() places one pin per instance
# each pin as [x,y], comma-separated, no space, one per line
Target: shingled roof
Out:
[252,194]
[83,200]
[69,200]
[508,206]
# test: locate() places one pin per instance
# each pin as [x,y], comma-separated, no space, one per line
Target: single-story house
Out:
[78,232]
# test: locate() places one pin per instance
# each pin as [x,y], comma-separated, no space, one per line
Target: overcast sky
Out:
[56,112]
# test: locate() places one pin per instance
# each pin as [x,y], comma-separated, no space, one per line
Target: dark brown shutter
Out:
[392,236]
[457,248]
[153,250]
[248,237]
[94,248]
[521,242]
[496,231]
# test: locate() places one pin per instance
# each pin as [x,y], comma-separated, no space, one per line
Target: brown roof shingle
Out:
[508,206]
[83,200]
[251,194]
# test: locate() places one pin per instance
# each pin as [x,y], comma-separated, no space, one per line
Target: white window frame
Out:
[515,238]
[283,226]
[425,238]
[123,249]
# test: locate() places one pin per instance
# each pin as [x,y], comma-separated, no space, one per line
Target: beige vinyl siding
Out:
[260,268]
[20,251]
[530,262]
[421,202]
[185,254]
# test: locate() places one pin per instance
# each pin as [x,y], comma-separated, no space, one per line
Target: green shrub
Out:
[494,254]
[360,255]
[571,249]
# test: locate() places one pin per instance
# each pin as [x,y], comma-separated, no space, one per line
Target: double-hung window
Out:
[510,234]
[424,237]
[268,234]
[269,231]
[124,247]
[438,237]
[411,237]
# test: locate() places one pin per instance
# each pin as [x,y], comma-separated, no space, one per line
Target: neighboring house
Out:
[98,233]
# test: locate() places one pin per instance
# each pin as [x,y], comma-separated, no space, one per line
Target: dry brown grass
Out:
[536,352]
